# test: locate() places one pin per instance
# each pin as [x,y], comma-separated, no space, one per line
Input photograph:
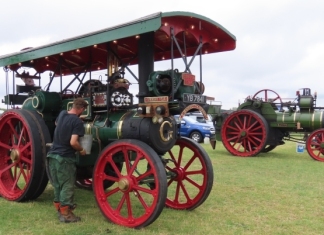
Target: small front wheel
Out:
[138,190]
[191,175]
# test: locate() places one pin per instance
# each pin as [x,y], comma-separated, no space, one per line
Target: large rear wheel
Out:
[315,145]
[21,156]
[191,173]
[45,138]
[138,194]
[244,133]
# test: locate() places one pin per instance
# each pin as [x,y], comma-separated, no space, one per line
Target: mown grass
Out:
[280,192]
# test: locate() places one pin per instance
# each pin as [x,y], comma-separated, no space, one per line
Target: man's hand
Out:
[83,152]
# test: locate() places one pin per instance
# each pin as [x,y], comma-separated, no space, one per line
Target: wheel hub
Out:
[180,174]
[243,133]
[14,155]
[123,184]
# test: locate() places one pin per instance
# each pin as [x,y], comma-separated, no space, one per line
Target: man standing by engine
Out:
[62,159]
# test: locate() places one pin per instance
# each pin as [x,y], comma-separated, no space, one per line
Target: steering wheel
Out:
[268,95]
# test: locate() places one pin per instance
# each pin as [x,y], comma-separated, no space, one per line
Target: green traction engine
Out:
[265,121]
[136,163]
[132,148]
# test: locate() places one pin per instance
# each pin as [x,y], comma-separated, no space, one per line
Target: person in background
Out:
[62,159]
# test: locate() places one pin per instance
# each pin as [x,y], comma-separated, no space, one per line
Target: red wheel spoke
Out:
[193,183]
[21,168]
[185,192]
[239,125]
[111,178]
[239,122]
[26,160]
[134,166]
[127,160]
[129,206]
[143,176]
[7,168]
[252,125]
[13,130]
[177,193]
[113,191]
[173,158]
[145,190]
[21,136]
[234,128]
[5,146]
[238,146]
[234,138]
[121,202]
[246,145]
[196,172]
[142,201]
[116,170]
[180,156]
[24,148]
[14,185]
[190,162]
[252,140]
[168,168]
[171,181]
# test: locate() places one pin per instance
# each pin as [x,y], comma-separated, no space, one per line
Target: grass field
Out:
[280,192]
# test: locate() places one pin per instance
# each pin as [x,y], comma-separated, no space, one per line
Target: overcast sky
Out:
[280,43]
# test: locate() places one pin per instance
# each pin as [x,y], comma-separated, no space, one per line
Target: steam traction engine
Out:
[264,122]
[138,163]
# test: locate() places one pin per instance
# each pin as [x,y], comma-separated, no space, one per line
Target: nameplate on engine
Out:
[194,98]
[157,99]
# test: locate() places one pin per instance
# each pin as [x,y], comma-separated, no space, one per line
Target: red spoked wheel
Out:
[22,147]
[244,133]
[191,173]
[315,145]
[268,95]
[138,194]
[45,138]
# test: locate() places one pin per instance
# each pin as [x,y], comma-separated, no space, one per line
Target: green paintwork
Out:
[306,118]
[143,25]
[156,79]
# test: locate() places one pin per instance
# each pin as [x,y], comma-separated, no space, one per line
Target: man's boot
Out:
[57,206]
[67,215]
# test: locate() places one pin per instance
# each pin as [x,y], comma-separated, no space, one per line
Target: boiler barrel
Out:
[308,121]
[161,136]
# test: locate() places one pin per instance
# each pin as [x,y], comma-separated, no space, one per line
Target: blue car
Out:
[195,130]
